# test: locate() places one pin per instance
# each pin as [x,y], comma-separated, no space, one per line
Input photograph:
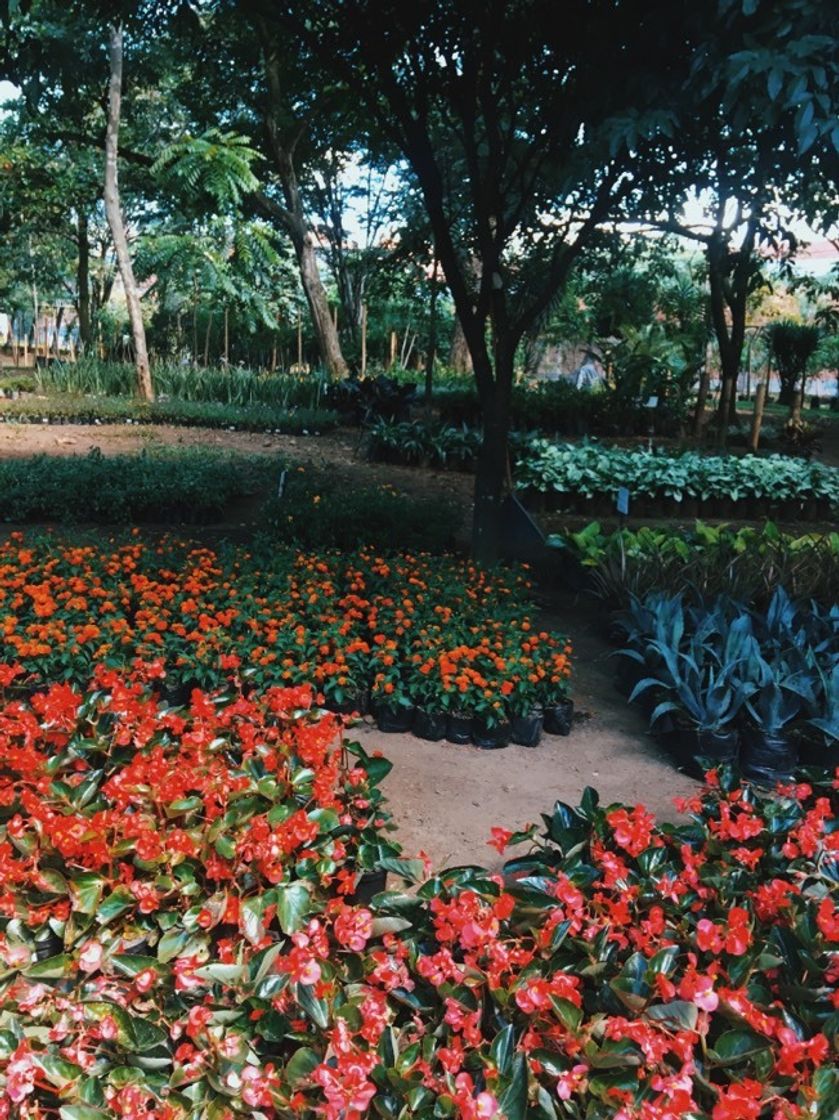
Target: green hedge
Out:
[200,414]
[192,486]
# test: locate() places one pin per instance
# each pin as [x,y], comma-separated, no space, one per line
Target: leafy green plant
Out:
[191,486]
[179,413]
[590,470]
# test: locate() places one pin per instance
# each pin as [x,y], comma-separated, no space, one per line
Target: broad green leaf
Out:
[293,902]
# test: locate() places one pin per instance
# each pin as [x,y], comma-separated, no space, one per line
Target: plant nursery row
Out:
[726,682]
[747,562]
[577,475]
[395,633]
[177,413]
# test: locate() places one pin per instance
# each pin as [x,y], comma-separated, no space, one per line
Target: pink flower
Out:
[90,958]
[353,929]
[572,1081]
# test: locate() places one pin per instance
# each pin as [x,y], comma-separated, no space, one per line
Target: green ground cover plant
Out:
[188,486]
[179,413]
[590,470]
[315,512]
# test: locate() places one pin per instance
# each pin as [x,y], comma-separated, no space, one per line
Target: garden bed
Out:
[183,931]
[397,633]
[587,477]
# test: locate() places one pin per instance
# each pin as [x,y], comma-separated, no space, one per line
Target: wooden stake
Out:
[227,336]
[757,415]
[363,339]
[299,341]
[393,341]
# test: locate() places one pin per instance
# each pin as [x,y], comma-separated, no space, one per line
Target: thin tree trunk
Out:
[432,338]
[83,281]
[113,211]
[207,339]
[293,217]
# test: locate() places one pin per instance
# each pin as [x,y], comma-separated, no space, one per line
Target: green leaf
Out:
[59,1071]
[252,924]
[513,1100]
[502,1050]
[301,1064]
[115,904]
[737,1046]
[678,1014]
[413,870]
[86,891]
[53,968]
[293,902]
[171,944]
[316,1009]
[82,1112]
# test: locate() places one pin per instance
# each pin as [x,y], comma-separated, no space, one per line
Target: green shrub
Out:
[203,414]
[192,485]
[317,514]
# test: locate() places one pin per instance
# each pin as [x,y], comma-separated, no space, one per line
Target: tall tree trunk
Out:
[459,357]
[491,467]
[113,211]
[83,281]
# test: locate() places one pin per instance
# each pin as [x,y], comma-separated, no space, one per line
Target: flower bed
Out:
[574,473]
[398,632]
[181,941]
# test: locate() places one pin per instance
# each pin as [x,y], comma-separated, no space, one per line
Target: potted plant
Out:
[430,700]
[490,727]
[523,709]
[705,691]
[769,755]
[391,701]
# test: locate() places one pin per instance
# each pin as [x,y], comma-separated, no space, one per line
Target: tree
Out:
[519,147]
[758,133]
[792,345]
[115,219]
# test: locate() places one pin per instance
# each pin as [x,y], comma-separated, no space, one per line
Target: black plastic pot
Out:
[359,703]
[370,884]
[559,717]
[714,747]
[430,726]
[48,946]
[767,759]
[819,755]
[490,738]
[393,717]
[526,731]
[459,729]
